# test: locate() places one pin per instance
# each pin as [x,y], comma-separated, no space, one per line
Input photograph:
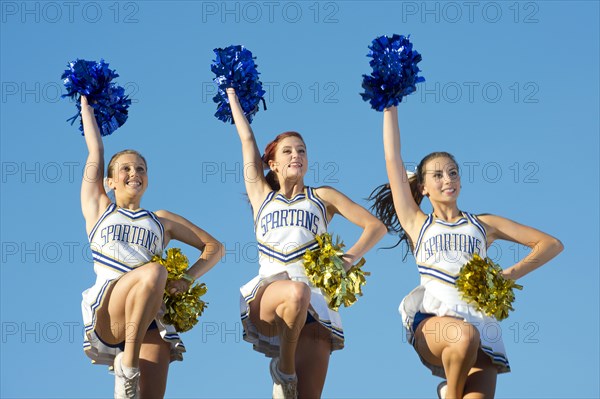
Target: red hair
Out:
[269,155]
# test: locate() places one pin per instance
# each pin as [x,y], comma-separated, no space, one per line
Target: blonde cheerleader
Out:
[121,311]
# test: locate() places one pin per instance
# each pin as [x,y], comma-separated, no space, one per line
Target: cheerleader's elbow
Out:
[556,245]
[219,250]
[379,229]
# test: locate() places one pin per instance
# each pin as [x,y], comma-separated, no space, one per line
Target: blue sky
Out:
[512,91]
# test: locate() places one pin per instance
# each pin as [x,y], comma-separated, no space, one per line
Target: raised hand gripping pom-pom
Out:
[94,80]
[234,67]
[481,282]
[394,72]
[182,309]
[325,270]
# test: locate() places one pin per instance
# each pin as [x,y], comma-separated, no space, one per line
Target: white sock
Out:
[129,371]
[287,377]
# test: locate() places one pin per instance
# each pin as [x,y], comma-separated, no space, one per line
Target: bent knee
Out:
[297,295]
[153,274]
[463,337]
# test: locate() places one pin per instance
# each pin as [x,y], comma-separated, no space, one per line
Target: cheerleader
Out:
[284,316]
[121,311]
[450,336]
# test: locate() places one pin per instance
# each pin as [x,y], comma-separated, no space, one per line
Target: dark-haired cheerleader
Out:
[454,339]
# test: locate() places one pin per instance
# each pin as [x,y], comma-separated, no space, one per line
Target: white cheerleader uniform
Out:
[285,229]
[440,251]
[120,241]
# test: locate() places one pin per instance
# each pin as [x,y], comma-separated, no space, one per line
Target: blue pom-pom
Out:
[234,67]
[94,80]
[395,71]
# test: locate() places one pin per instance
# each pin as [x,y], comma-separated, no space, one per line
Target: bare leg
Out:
[312,360]
[481,382]
[155,356]
[451,343]
[130,307]
[280,309]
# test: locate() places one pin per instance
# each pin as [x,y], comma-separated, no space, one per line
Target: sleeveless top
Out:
[286,228]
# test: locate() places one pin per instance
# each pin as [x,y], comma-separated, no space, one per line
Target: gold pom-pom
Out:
[184,308]
[325,270]
[480,281]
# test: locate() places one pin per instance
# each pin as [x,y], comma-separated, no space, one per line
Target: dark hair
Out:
[383,203]
[113,160]
[269,155]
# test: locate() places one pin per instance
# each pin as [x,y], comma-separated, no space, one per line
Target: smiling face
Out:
[441,180]
[289,160]
[128,175]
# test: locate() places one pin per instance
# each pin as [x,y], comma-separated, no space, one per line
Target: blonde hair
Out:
[113,160]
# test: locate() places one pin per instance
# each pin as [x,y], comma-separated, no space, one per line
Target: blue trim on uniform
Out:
[109,209]
[172,336]
[330,327]
[422,233]
[474,221]
[113,264]
[312,196]
[262,206]
[254,290]
[289,257]
[134,215]
[299,197]
[437,274]
[161,227]
[496,356]
[96,304]
[459,222]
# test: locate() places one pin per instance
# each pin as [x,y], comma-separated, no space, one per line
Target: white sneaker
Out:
[282,389]
[441,389]
[125,388]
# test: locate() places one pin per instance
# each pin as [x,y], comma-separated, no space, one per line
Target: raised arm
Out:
[543,246]
[93,196]
[180,229]
[373,229]
[256,185]
[409,214]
